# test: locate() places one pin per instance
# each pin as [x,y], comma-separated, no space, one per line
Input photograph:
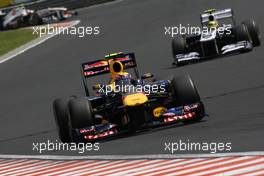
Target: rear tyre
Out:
[60,109]
[80,111]
[242,33]
[253,30]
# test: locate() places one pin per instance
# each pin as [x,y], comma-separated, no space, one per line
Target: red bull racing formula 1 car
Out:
[126,104]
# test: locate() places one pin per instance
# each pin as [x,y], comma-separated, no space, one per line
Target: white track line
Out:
[31,44]
[71,167]
[116,168]
[160,166]
[72,171]
[20,165]
[102,167]
[53,166]
[26,170]
[222,169]
[120,157]
[208,166]
[259,172]
[13,163]
[57,168]
[247,165]
[185,167]
[4,59]
[244,170]
[6,161]
[20,169]
[27,48]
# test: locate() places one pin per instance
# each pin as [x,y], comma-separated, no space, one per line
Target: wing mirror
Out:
[147,75]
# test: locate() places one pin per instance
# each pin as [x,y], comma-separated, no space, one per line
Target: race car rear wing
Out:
[217,14]
[101,66]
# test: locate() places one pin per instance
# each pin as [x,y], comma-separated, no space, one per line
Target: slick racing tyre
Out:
[242,33]
[34,20]
[60,109]
[1,23]
[80,111]
[178,45]
[184,92]
[253,30]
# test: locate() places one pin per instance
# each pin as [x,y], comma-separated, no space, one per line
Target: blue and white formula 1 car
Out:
[220,35]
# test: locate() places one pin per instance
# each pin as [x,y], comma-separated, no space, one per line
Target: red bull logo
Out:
[96,64]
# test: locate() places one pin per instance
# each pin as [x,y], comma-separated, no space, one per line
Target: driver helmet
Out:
[116,67]
[212,22]
[117,70]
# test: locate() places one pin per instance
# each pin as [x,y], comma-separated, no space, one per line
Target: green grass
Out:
[12,39]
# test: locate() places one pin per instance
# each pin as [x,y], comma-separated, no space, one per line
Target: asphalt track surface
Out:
[232,88]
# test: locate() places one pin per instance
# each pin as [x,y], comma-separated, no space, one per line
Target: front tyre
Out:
[242,33]
[60,109]
[184,91]
[178,45]
[253,30]
[80,111]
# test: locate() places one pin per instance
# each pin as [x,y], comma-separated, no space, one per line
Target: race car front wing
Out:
[239,47]
[170,116]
